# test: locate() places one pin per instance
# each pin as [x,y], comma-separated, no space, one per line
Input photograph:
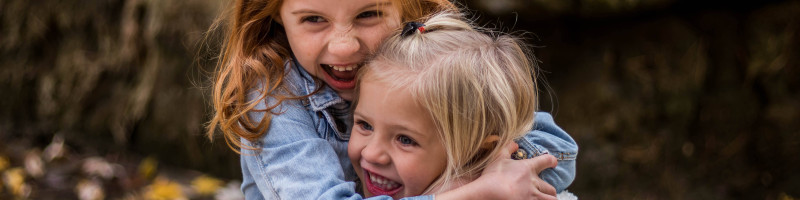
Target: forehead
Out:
[396,107]
[395,74]
[337,5]
[386,94]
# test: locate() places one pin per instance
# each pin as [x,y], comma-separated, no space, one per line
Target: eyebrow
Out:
[306,10]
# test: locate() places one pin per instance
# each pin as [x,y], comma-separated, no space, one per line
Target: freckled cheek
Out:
[310,48]
[374,38]
[373,42]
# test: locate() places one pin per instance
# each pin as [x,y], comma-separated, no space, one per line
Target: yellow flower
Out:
[206,185]
[148,167]
[163,189]
[14,179]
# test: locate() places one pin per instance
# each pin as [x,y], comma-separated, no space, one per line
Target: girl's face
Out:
[331,38]
[393,146]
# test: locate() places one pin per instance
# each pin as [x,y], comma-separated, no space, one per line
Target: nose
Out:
[375,153]
[344,43]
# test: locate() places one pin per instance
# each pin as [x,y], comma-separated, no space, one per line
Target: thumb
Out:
[540,163]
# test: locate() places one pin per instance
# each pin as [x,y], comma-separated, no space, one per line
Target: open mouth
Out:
[341,77]
[379,185]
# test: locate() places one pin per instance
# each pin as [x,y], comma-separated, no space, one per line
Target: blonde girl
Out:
[436,102]
[282,89]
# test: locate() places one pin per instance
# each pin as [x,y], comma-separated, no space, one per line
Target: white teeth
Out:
[383,183]
[344,68]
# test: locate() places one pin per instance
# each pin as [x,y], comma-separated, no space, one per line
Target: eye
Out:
[312,19]
[364,125]
[369,14]
[405,140]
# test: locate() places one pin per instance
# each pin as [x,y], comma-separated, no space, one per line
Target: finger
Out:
[544,187]
[540,163]
[543,196]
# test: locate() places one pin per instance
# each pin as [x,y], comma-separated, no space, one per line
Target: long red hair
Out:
[254,51]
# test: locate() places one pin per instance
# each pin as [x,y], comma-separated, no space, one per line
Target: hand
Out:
[517,176]
[505,178]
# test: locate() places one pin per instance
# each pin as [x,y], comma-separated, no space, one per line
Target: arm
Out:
[293,161]
[547,138]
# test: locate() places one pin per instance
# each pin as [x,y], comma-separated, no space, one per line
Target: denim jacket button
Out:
[519,155]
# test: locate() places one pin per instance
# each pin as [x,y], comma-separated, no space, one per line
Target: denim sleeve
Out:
[292,161]
[547,138]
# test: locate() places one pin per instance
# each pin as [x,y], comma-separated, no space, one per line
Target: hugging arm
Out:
[292,161]
[547,138]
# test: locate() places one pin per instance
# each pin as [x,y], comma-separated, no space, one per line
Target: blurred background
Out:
[668,99]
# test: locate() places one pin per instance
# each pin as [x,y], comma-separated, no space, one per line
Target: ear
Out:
[490,142]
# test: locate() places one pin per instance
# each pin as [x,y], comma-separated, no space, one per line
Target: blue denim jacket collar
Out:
[321,100]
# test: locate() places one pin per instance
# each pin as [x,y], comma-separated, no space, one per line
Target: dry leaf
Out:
[55,149]
[34,164]
[148,167]
[89,190]
[97,166]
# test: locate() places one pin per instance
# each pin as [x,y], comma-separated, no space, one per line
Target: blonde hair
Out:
[474,85]
[253,52]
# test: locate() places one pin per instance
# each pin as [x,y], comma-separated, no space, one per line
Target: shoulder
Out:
[282,97]
[290,118]
[547,137]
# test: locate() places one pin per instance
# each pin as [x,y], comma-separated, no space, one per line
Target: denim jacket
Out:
[304,155]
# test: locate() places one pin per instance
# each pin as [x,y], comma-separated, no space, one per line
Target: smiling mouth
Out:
[379,185]
[343,73]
